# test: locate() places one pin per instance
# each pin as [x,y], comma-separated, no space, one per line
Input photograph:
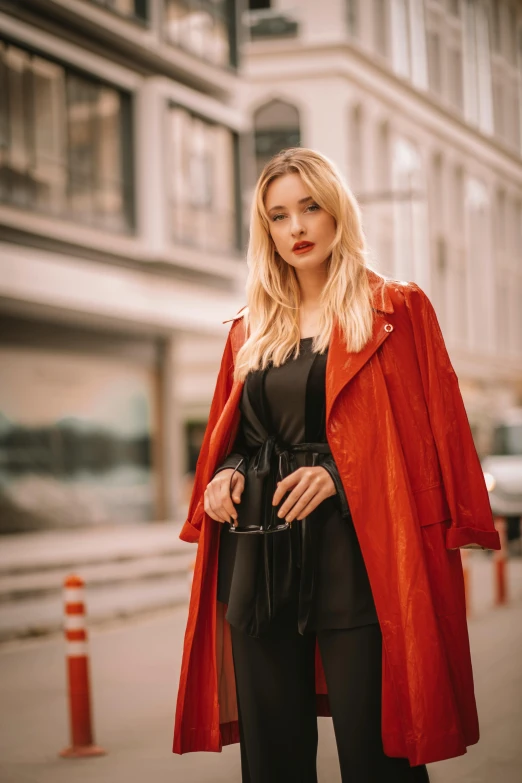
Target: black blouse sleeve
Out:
[239,452]
[328,464]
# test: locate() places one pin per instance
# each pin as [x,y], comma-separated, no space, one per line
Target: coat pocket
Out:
[432,506]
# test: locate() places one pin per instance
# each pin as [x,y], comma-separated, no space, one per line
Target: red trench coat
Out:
[400,437]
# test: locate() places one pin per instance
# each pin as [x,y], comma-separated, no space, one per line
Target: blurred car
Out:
[503,470]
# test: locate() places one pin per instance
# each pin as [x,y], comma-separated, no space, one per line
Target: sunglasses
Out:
[257,529]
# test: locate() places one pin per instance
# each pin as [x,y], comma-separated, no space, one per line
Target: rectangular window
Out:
[434,61]
[480,264]
[507,98]
[136,10]
[511,34]
[478,83]
[496,26]
[457,274]
[455,94]
[203,197]
[63,142]
[356,157]
[454,7]
[352,18]
[444,46]
[206,28]
[457,200]
[400,28]
[380,27]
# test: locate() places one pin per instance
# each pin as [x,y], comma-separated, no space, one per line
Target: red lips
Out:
[302,245]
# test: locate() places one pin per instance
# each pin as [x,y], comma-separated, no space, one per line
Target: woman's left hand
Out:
[308,487]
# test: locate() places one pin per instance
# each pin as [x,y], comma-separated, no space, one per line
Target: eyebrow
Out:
[301,201]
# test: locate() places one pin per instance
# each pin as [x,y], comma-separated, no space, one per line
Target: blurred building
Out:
[419,102]
[129,144]
[120,250]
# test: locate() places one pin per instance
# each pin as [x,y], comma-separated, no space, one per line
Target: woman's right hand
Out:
[220,493]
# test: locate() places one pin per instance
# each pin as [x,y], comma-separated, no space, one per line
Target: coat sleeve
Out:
[192,526]
[468,500]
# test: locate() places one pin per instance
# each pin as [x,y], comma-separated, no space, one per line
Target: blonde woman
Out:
[336,483]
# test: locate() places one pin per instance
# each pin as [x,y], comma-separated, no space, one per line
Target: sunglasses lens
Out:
[256,530]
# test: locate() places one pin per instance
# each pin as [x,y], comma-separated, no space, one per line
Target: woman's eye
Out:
[275,217]
[314,207]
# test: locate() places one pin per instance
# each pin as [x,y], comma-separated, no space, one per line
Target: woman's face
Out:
[302,231]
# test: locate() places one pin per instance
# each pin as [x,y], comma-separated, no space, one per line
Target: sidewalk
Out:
[134,674]
[127,569]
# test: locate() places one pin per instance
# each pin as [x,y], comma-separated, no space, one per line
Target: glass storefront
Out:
[77,436]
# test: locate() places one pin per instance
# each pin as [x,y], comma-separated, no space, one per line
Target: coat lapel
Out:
[342,365]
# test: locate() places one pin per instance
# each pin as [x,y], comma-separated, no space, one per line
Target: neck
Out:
[311,283]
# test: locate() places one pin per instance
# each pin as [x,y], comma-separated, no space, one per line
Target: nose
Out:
[296,226]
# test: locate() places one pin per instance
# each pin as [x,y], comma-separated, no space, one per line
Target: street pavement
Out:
[134,672]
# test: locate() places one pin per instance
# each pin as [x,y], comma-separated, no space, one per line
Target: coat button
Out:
[388,327]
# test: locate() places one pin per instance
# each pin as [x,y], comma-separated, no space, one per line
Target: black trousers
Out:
[275,681]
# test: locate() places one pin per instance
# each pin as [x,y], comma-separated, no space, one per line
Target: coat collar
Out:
[342,365]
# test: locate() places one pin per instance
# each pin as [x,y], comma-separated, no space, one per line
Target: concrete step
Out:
[127,570]
[52,549]
[24,586]
[44,615]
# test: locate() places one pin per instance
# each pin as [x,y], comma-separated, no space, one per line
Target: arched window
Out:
[276,127]
[356,149]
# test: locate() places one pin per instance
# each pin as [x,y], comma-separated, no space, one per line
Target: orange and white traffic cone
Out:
[82,743]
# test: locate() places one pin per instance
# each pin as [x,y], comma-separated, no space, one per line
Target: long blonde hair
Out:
[272,287]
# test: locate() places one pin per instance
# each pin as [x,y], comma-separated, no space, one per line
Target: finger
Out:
[292,499]
[238,485]
[207,508]
[227,507]
[285,485]
[311,506]
[306,477]
[310,495]
[215,503]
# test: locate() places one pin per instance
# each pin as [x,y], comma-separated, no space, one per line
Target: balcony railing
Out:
[270,23]
[135,10]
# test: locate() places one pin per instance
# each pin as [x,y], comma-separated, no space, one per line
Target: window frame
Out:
[142,21]
[127,139]
[172,103]
[231,18]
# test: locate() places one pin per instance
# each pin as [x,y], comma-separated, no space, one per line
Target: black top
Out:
[329,584]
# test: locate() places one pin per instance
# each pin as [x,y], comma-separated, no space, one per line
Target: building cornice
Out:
[99,32]
[342,60]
